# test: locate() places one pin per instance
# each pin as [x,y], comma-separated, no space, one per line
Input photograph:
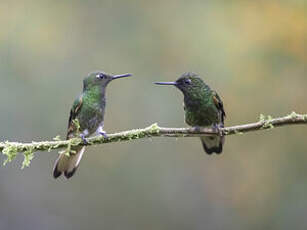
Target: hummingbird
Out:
[89,109]
[203,108]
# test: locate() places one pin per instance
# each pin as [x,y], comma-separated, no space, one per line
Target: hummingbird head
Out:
[186,83]
[102,79]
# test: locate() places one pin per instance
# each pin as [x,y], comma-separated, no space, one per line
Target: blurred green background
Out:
[252,52]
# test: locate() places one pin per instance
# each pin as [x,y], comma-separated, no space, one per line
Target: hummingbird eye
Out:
[100,76]
[187,81]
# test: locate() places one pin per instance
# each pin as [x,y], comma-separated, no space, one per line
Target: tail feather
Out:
[213,144]
[68,164]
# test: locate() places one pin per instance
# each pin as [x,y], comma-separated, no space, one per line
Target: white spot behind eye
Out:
[187,81]
[98,75]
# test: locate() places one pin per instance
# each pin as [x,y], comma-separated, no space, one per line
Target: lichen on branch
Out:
[11,149]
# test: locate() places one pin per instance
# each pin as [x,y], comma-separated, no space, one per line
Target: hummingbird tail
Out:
[68,164]
[213,144]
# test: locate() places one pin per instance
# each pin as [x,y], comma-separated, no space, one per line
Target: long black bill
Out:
[166,83]
[121,75]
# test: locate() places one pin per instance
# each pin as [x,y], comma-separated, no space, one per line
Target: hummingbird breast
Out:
[91,117]
[201,113]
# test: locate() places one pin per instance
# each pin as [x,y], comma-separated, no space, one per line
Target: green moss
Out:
[57,138]
[270,126]
[10,151]
[261,117]
[67,150]
[267,121]
[293,114]
[238,132]
[154,128]
[28,156]
[75,141]
[76,125]
[226,132]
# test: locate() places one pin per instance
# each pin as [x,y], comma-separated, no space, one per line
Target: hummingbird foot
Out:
[217,128]
[104,134]
[83,139]
[196,128]
[101,131]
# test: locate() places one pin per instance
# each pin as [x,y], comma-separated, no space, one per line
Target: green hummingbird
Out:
[89,109]
[203,107]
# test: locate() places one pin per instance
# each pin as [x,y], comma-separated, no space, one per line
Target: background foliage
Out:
[252,52]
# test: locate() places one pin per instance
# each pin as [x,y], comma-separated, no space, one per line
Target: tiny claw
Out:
[216,128]
[196,128]
[104,134]
[84,140]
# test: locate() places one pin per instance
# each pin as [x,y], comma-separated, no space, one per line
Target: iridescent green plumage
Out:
[203,107]
[88,109]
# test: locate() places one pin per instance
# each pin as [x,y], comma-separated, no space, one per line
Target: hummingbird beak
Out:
[166,83]
[121,75]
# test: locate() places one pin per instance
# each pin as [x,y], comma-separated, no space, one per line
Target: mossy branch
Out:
[11,149]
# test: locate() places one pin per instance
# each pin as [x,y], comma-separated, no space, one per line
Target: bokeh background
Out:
[252,52]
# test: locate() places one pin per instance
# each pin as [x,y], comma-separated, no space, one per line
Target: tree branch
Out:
[11,149]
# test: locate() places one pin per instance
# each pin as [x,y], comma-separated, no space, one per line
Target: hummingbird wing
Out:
[69,164]
[219,105]
[213,144]
[76,107]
